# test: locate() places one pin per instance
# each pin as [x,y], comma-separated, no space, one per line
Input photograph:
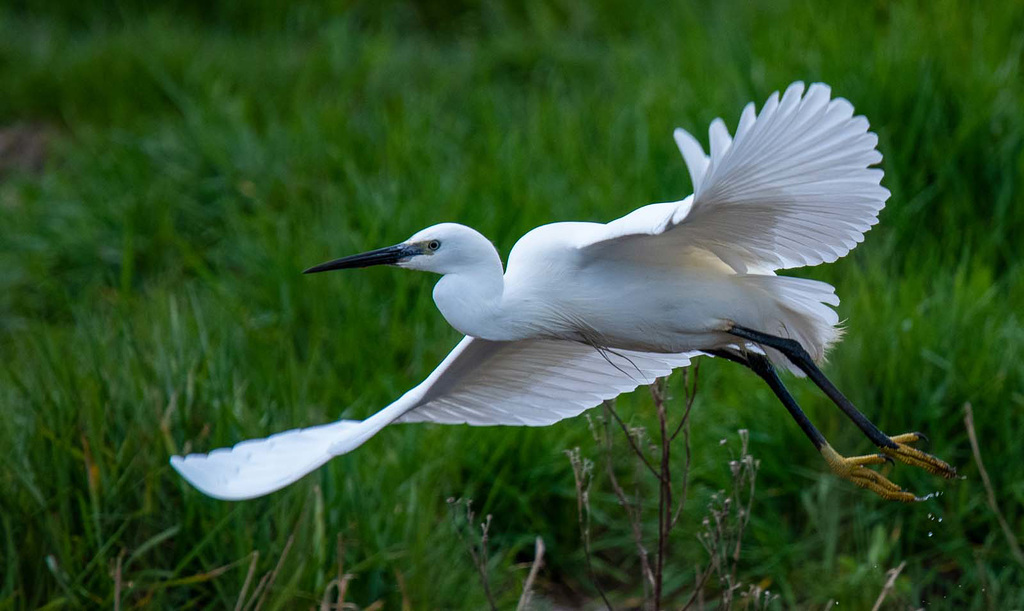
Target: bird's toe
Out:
[855,469]
[905,453]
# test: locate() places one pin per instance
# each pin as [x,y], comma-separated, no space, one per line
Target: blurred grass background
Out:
[199,155]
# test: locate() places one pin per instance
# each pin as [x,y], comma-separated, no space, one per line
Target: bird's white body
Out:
[559,286]
[586,311]
[553,289]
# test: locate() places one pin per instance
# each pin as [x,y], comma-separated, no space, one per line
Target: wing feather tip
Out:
[837,121]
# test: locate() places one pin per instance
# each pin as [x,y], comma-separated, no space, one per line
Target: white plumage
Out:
[534,382]
[530,383]
[792,189]
[587,311]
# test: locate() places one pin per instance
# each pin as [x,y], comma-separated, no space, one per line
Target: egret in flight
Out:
[586,311]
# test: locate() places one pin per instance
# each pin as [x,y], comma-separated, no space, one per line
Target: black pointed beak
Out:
[382,256]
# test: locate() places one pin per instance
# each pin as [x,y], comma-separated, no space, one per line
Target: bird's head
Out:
[443,249]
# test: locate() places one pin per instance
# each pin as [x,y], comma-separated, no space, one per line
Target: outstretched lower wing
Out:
[530,382]
[793,188]
[534,382]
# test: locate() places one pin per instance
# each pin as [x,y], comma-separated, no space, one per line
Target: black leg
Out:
[898,447]
[760,365]
[799,357]
[854,469]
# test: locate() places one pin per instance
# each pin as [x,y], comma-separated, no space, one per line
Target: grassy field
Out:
[198,159]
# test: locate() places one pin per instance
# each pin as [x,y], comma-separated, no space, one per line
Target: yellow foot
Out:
[855,469]
[905,453]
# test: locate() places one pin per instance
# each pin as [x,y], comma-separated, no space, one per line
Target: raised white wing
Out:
[793,188]
[530,382]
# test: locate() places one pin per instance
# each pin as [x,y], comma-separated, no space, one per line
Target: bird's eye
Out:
[434,244]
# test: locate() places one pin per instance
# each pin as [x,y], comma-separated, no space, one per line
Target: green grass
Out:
[150,300]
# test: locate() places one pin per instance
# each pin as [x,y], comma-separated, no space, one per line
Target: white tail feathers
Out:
[804,314]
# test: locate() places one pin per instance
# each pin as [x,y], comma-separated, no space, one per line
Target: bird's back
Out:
[617,302]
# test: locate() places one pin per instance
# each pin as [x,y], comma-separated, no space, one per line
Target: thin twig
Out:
[632,442]
[686,477]
[889,584]
[684,425]
[580,470]
[1011,539]
[538,560]
[665,504]
[632,510]
[691,396]
[699,588]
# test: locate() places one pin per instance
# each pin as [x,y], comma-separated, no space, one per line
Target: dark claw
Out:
[887,458]
[922,437]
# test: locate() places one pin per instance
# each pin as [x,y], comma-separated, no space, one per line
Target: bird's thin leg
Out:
[763,368]
[855,468]
[899,447]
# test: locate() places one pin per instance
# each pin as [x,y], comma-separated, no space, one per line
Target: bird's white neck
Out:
[471,300]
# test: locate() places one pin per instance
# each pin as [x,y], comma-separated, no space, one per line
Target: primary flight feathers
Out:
[793,188]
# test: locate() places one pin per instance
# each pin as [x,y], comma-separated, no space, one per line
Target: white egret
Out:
[586,311]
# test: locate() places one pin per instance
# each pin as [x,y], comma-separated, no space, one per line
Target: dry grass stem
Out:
[478,552]
[343,577]
[582,471]
[633,509]
[341,581]
[1011,539]
[727,519]
[248,580]
[890,583]
[325,600]
[117,581]
[670,504]
[406,603]
[267,582]
[538,561]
